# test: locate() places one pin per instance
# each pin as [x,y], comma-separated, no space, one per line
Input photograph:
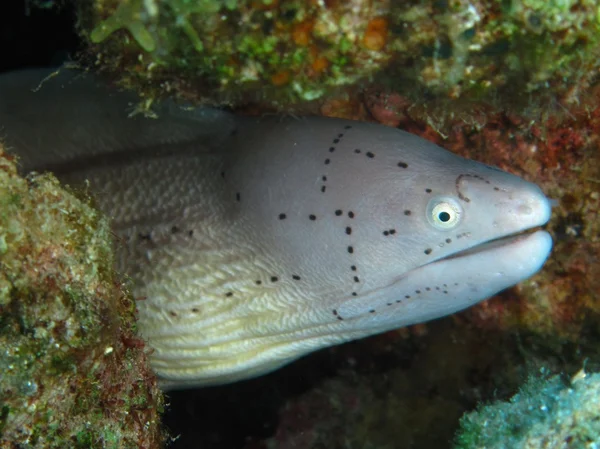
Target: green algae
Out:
[282,53]
[72,373]
[290,51]
[127,15]
[545,414]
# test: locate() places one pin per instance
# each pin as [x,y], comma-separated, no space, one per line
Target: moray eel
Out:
[254,241]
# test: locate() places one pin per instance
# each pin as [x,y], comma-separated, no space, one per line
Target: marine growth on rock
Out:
[280,53]
[72,372]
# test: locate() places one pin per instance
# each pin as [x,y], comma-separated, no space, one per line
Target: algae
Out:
[72,372]
[279,53]
[547,413]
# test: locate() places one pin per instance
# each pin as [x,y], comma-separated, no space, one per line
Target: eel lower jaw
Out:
[448,285]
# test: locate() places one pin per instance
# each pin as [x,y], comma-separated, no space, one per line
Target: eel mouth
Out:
[453,283]
[490,245]
[522,253]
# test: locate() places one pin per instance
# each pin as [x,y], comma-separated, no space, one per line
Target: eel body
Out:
[254,241]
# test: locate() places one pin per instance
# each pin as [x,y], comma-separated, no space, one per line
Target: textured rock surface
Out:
[278,53]
[545,414]
[72,372]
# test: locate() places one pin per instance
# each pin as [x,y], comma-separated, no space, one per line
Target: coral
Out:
[281,53]
[545,414]
[72,372]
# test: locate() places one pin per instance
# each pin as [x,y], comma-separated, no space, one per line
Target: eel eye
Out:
[444,213]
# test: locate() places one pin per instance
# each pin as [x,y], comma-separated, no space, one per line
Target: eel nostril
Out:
[524,209]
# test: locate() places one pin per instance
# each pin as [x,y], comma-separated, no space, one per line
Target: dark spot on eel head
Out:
[282,216]
[402,164]
[312,217]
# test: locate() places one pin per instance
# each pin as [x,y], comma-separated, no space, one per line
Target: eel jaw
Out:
[506,241]
[451,284]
